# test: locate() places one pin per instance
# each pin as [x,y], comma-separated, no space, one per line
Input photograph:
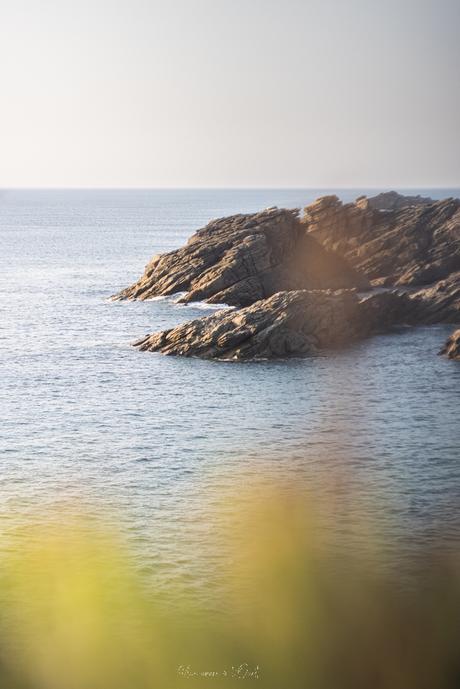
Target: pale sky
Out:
[229,93]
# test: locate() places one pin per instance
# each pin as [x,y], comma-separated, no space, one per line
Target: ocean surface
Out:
[155,441]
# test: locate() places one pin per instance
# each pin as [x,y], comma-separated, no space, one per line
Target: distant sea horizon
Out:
[401,190]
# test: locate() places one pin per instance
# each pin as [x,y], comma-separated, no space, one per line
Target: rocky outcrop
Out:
[452,347]
[294,323]
[392,201]
[411,244]
[243,258]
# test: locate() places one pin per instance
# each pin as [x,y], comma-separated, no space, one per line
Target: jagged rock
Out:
[452,347]
[439,303]
[294,323]
[243,258]
[391,201]
[412,244]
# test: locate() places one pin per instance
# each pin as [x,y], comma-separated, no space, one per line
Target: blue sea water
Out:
[157,440]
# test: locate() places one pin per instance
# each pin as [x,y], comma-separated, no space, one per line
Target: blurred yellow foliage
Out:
[301,612]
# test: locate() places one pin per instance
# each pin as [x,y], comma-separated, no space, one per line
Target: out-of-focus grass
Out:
[74,614]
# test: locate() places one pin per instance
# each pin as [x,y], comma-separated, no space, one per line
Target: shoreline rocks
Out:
[295,323]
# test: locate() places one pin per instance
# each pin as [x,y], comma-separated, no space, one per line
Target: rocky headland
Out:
[301,285]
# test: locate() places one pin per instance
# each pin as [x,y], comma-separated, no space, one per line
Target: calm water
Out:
[84,415]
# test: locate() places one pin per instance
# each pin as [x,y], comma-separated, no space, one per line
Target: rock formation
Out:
[452,347]
[287,276]
[243,258]
[295,323]
[410,245]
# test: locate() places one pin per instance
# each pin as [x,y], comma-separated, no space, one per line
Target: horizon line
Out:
[229,188]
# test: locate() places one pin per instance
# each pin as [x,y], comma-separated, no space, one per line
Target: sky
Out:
[229,93]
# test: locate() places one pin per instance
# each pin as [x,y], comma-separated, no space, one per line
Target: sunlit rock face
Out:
[414,241]
[243,258]
[452,347]
[294,323]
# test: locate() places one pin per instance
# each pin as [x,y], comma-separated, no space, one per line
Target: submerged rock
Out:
[412,243]
[452,347]
[294,323]
[243,258]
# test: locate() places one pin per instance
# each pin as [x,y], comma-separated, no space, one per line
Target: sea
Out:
[162,445]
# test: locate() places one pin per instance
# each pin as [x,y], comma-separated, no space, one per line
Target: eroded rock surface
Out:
[243,258]
[413,243]
[294,323]
[452,347]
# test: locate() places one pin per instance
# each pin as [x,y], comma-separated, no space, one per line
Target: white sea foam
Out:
[161,297]
[177,296]
[207,307]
